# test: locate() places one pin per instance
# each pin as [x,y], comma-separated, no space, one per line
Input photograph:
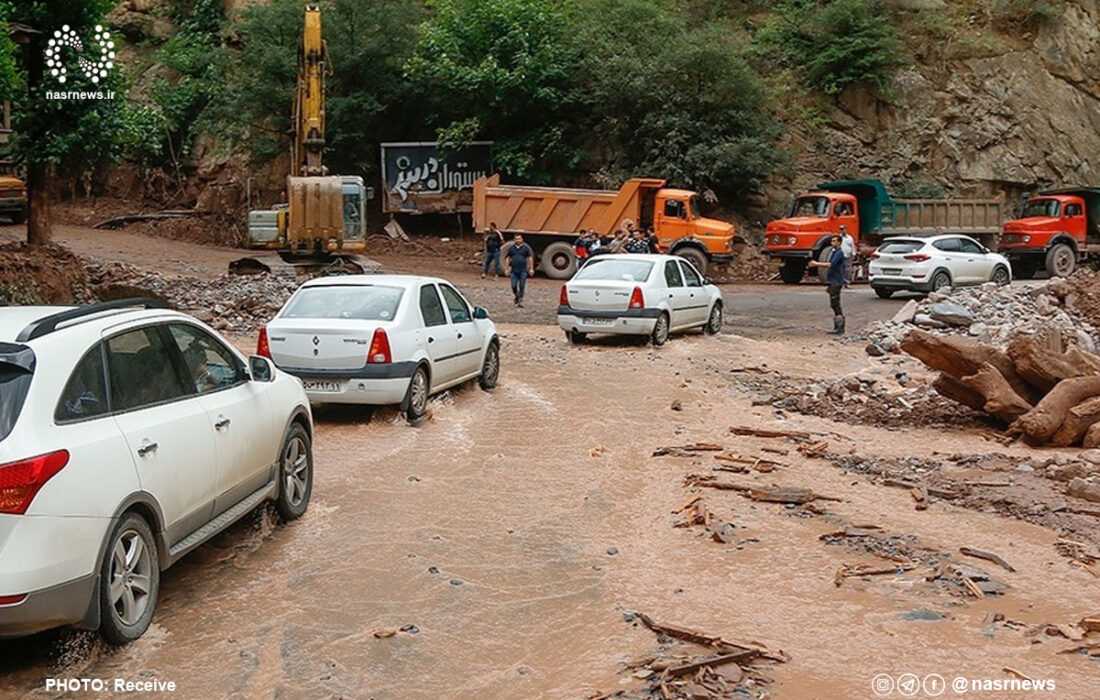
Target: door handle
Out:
[459,335]
[146,447]
[223,422]
[431,339]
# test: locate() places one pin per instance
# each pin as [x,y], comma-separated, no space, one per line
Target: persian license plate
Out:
[320,385]
[593,321]
[892,271]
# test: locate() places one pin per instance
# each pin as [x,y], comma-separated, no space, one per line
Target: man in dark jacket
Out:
[835,278]
[521,264]
[494,240]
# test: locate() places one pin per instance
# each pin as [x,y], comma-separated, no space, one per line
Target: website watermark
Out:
[109,685]
[68,55]
[909,685]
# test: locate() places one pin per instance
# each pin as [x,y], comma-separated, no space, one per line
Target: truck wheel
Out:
[793,270]
[558,261]
[1061,261]
[694,256]
[18,217]
[1024,269]
[823,256]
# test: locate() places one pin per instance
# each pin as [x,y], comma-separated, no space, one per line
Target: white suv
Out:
[129,435]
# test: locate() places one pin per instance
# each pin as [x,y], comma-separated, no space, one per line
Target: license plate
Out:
[320,385]
[892,271]
[591,321]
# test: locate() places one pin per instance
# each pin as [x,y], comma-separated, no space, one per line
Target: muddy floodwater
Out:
[493,551]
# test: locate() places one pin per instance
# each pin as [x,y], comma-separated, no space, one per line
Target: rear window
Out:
[16,372]
[616,268]
[900,247]
[359,302]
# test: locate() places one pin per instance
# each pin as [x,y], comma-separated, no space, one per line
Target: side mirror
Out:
[708,280]
[261,369]
[481,313]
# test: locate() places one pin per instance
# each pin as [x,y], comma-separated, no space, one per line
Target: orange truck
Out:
[871,215]
[550,218]
[13,199]
[1056,230]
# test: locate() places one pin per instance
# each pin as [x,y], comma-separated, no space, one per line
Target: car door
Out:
[672,281]
[979,266]
[467,357]
[949,250]
[246,439]
[437,337]
[696,305]
[165,426]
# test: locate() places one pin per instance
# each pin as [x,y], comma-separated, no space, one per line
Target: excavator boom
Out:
[308,144]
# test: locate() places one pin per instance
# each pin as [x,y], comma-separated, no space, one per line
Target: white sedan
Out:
[648,295]
[935,262]
[382,340]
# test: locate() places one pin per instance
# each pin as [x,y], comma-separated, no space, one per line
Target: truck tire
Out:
[793,270]
[1024,269]
[18,217]
[694,256]
[1061,261]
[823,256]
[558,261]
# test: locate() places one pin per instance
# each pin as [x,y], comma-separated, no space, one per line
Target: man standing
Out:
[848,246]
[835,278]
[521,264]
[494,239]
[637,243]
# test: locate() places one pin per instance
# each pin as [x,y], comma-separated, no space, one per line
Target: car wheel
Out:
[575,337]
[1001,276]
[940,280]
[714,321]
[694,256]
[129,580]
[660,331]
[295,474]
[884,292]
[417,400]
[1061,261]
[558,261]
[793,270]
[490,368]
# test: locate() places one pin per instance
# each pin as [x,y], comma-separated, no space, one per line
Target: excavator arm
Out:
[308,143]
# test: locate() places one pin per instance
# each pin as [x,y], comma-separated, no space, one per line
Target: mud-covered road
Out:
[508,536]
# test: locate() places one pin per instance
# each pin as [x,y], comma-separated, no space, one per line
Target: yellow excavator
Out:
[322,224]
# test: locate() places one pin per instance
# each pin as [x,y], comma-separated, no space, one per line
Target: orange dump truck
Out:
[550,218]
[1056,230]
[13,198]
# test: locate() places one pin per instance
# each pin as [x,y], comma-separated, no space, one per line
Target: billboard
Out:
[421,178]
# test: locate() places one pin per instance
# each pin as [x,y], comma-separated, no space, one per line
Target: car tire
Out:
[575,337]
[696,257]
[490,368]
[1001,276]
[1061,261]
[558,261]
[883,292]
[416,400]
[660,331]
[295,473]
[940,280]
[130,563]
[714,320]
[792,271]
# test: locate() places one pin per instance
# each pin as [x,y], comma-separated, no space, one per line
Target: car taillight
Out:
[875,255]
[918,257]
[379,348]
[263,349]
[12,599]
[563,298]
[20,481]
[636,300]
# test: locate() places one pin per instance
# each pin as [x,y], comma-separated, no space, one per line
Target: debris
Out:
[384,633]
[848,571]
[988,556]
[920,495]
[1090,623]
[117,222]
[676,406]
[687,450]
[760,432]
[1081,488]
[688,502]
[1014,672]
[973,587]
[816,449]
[682,669]
[597,451]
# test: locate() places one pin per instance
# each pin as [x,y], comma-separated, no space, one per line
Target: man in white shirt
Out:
[848,247]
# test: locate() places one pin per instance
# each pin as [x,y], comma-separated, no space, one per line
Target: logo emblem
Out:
[93,62]
[316,340]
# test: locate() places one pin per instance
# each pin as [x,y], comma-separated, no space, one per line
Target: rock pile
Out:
[231,303]
[995,315]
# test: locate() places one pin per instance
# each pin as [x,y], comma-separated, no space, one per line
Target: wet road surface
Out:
[509,534]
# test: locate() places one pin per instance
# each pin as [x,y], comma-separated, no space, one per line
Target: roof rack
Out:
[49,324]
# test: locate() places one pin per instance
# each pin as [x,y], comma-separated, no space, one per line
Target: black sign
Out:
[421,177]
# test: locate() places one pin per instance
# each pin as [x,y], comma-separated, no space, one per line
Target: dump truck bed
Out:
[973,217]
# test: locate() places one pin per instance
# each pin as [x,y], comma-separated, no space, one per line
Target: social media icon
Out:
[882,685]
[908,684]
[934,684]
[960,685]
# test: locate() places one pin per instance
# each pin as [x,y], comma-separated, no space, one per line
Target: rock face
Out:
[1023,112]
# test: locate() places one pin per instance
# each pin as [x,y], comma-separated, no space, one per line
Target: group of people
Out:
[626,240]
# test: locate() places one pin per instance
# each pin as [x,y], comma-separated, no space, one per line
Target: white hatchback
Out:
[637,294]
[935,262]
[382,340]
[129,435]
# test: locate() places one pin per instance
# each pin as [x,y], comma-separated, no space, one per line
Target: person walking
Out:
[521,265]
[494,241]
[835,278]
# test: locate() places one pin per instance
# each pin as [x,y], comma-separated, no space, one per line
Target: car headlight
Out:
[775,240]
[792,240]
[1026,239]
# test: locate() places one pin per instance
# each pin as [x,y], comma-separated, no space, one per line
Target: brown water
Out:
[499,493]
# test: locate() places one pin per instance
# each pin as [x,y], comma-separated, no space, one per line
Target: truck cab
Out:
[682,230]
[1056,229]
[816,217]
[13,198]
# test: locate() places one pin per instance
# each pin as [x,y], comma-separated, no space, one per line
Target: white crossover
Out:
[382,340]
[633,294]
[129,435]
[935,262]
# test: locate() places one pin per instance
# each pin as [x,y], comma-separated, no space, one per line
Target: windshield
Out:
[615,268]
[16,371]
[1041,207]
[694,202]
[810,206]
[360,302]
[900,247]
